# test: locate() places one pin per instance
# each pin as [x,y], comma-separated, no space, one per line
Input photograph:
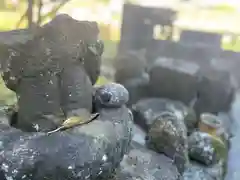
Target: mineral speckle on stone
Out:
[196,173]
[168,135]
[147,110]
[206,149]
[143,164]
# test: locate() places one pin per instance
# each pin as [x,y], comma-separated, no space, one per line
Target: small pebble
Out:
[111,95]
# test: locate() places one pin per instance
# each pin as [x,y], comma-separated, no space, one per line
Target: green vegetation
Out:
[235,47]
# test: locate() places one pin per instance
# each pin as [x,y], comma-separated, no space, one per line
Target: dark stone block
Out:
[141,163]
[228,61]
[75,154]
[216,91]
[174,79]
[208,39]
[178,50]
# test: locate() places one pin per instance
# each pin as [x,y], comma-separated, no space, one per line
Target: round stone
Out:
[111,95]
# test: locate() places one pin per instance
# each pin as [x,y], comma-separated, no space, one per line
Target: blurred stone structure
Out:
[207,39]
[138,24]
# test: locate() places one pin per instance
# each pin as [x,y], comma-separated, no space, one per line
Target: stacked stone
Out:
[55,68]
[176,75]
[90,151]
[214,84]
[184,81]
[167,124]
[198,148]
[172,126]
[208,149]
[180,70]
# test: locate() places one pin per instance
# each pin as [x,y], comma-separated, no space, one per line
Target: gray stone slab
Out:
[177,50]
[184,81]
[204,38]
[174,79]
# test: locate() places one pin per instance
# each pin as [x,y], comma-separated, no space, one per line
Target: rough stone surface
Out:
[168,135]
[56,69]
[206,149]
[144,164]
[174,79]
[197,171]
[39,102]
[145,111]
[53,44]
[183,80]
[86,152]
[91,151]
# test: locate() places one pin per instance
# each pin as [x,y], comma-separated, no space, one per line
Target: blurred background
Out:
[219,16]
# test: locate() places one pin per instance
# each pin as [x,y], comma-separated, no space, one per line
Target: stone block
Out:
[174,79]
